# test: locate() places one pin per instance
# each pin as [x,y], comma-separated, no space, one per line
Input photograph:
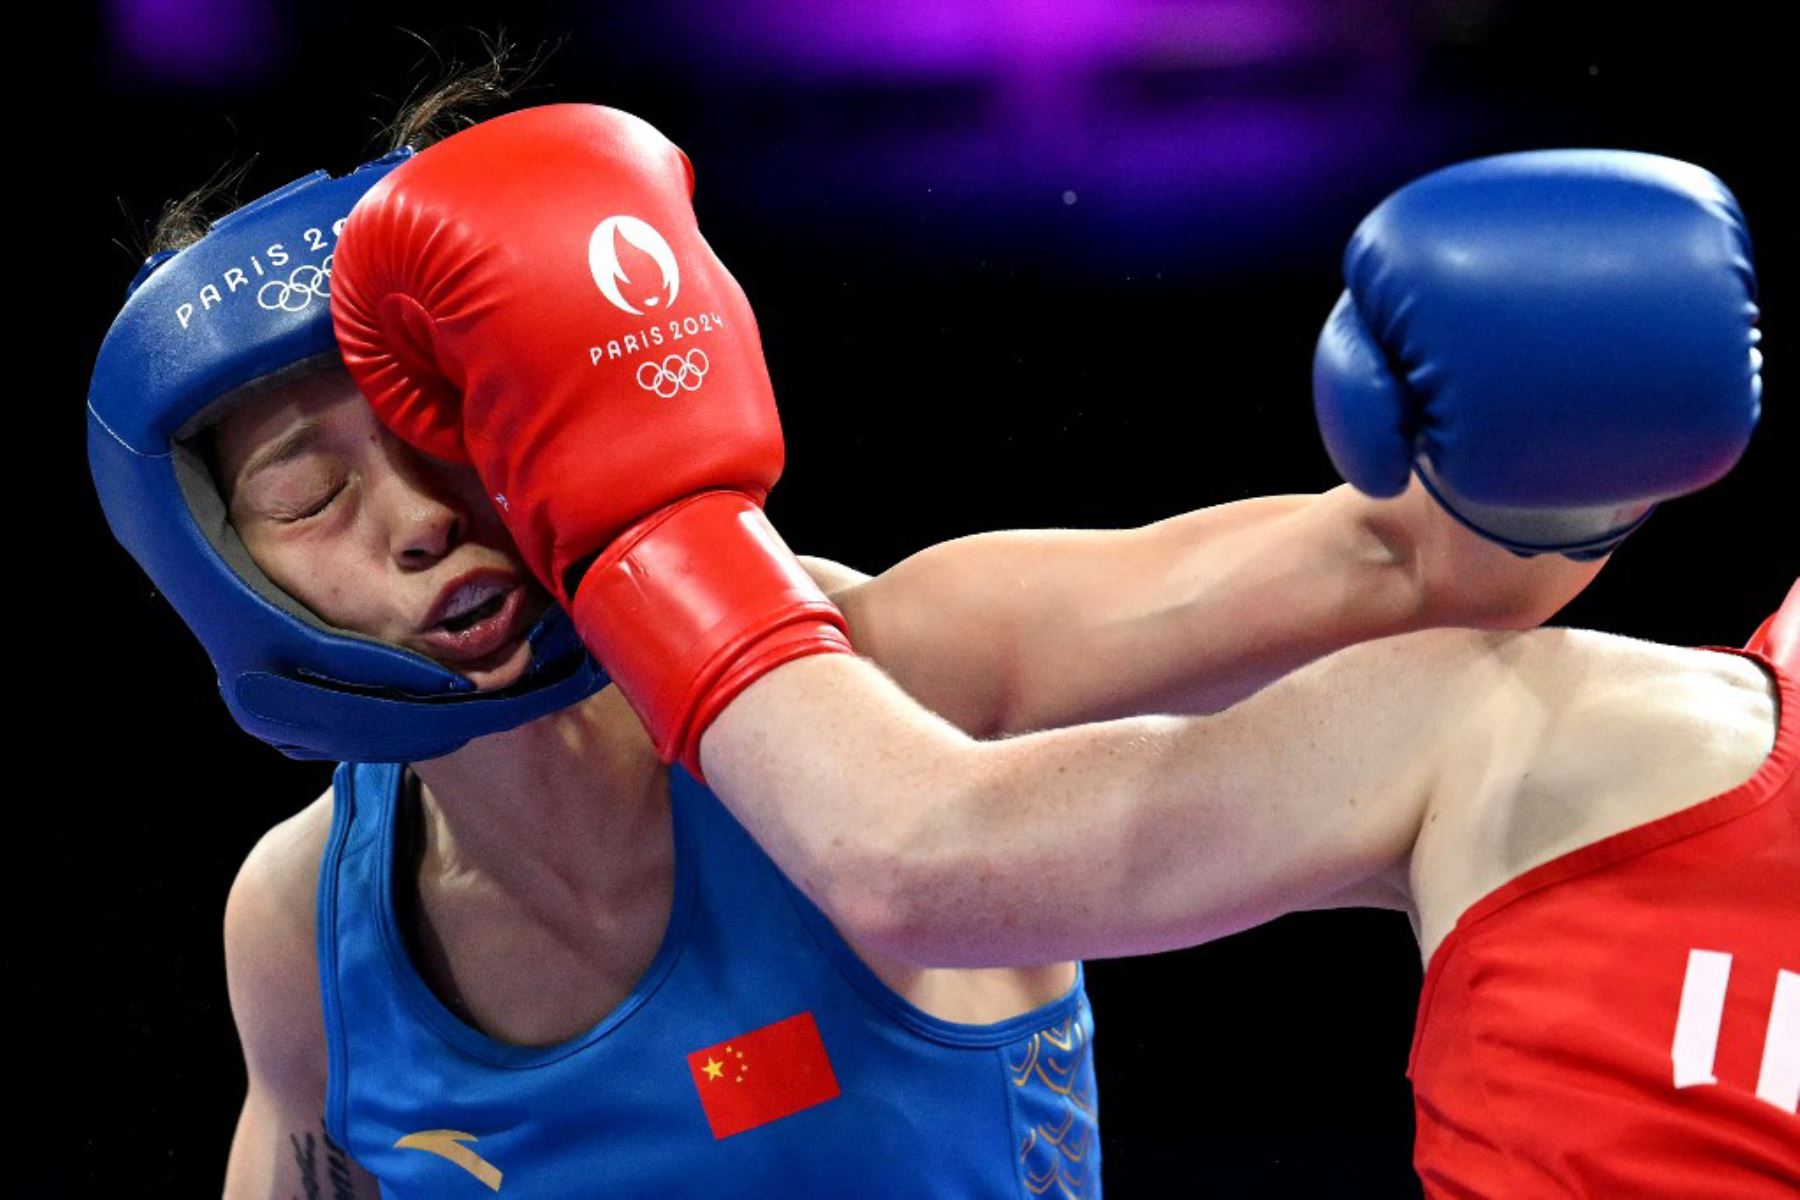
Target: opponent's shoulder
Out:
[1581,736]
[1585,711]
[1636,711]
[271,953]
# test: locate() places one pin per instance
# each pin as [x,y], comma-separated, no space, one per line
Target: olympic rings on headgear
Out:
[305,281]
[674,374]
[310,690]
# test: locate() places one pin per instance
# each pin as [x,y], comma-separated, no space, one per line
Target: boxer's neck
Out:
[576,796]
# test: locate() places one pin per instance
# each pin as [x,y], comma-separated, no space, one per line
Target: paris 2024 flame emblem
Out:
[623,288]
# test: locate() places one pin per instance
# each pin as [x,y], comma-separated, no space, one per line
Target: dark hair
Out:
[450,100]
[186,220]
[454,97]
[462,95]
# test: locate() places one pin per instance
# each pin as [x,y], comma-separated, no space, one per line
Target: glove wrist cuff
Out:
[694,603]
[1577,532]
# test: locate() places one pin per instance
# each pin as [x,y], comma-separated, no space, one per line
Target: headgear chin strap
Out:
[1779,638]
[249,299]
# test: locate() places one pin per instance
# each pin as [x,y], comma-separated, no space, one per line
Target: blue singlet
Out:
[921,1107]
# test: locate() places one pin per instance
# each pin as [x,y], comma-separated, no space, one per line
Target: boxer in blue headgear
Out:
[534,955]
[241,312]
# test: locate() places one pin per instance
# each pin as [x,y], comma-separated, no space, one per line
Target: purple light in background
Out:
[200,42]
[1167,119]
[926,38]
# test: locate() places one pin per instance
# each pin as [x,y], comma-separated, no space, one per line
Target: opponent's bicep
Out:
[1154,833]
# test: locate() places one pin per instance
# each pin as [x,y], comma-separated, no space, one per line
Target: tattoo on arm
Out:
[314,1176]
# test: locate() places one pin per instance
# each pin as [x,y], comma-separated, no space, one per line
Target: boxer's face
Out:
[371,535]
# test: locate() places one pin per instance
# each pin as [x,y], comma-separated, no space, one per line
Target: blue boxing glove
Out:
[1555,341]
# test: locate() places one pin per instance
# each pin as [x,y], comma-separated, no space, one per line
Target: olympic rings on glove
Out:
[674,374]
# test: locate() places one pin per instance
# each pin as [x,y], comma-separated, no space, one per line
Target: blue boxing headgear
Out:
[250,299]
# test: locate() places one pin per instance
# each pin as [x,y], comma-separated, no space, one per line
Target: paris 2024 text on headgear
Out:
[248,300]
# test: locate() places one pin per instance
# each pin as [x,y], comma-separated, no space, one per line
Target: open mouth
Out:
[474,633]
[480,612]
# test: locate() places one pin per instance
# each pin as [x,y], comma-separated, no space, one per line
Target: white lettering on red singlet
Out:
[1702,1011]
[1778,1082]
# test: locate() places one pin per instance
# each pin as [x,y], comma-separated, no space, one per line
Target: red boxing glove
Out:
[532,296]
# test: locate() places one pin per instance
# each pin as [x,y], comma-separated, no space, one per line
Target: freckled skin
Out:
[359,527]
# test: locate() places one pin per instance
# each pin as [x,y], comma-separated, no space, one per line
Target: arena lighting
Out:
[199,43]
[1216,124]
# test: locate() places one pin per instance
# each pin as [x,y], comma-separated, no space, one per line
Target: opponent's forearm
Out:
[1465,579]
[1226,601]
[837,774]
[932,847]
[1194,613]
[1116,838]
[1025,630]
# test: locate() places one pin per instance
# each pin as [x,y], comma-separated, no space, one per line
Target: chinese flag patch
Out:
[763,1075]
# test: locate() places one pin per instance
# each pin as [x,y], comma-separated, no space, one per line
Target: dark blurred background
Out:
[1017,263]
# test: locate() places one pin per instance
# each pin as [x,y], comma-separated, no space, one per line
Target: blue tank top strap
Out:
[367,884]
[357,792]
[916,1105]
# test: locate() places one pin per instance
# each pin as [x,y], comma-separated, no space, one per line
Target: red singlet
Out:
[1624,1021]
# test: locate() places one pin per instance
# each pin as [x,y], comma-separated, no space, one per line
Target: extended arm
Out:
[1118,838]
[1006,632]
[1554,341]
[1434,767]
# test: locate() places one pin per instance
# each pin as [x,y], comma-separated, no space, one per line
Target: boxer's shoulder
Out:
[271,952]
[272,975]
[1630,732]
[1590,735]
[283,867]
